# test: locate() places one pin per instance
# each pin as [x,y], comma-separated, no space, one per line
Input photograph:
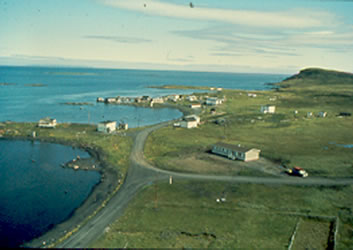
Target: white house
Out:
[236,152]
[195,105]
[191,98]
[322,114]
[190,121]
[174,98]
[106,126]
[158,100]
[213,101]
[110,100]
[47,123]
[268,109]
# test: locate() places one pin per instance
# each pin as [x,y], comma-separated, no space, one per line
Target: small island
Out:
[78,103]
[36,85]
[7,84]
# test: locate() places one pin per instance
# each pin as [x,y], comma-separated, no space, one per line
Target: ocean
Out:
[32,198]
[37,92]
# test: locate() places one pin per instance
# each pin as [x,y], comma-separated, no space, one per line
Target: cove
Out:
[36,192]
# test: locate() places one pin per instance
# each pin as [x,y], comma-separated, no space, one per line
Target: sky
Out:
[251,36]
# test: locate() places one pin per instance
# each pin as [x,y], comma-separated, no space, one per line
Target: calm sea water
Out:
[21,102]
[33,197]
[36,193]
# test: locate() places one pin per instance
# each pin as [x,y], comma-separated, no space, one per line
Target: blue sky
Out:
[272,36]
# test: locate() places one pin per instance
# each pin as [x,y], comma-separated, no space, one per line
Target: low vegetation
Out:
[186,215]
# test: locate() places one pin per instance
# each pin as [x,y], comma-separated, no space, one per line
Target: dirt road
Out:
[142,174]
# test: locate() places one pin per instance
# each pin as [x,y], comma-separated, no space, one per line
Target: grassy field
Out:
[283,137]
[186,215]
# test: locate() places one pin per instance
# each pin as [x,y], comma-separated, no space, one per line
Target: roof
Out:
[47,119]
[107,122]
[190,119]
[234,147]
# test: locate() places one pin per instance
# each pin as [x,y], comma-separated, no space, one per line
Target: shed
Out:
[191,121]
[236,152]
[268,109]
[195,105]
[322,114]
[47,122]
[106,126]
[213,101]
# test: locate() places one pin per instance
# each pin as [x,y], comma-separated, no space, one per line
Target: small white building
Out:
[100,99]
[212,101]
[195,106]
[191,98]
[110,100]
[190,121]
[47,122]
[159,100]
[106,127]
[236,152]
[322,114]
[309,114]
[252,95]
[174,98]
[268,109]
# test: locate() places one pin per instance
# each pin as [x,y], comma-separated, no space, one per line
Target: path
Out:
[142,174]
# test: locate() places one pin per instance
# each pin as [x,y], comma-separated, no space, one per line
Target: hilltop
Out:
[317,76]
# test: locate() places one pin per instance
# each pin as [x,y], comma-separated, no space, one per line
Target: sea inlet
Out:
[36,192]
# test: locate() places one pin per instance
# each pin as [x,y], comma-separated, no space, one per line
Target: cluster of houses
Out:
[206,100]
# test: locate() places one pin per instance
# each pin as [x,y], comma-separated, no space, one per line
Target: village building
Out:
[252,95]
[212,101]
[191,98]
[110,100]
[159,100]
[145,98]
[309,114]
[47,123]
[322,114]
[174,98]
[190,121]
[195,106]
[268,109]
[100,99]
[236,152]
[106,126]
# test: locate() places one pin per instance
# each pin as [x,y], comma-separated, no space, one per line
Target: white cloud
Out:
[297,18]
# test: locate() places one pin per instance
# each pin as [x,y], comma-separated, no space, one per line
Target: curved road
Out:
[142,174]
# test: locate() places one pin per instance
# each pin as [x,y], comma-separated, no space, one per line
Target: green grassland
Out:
[113,149]
[186,215]
[283,137]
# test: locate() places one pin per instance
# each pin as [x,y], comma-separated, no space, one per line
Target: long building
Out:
[236,152]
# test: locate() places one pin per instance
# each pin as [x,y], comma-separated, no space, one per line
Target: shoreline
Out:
[100,192]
